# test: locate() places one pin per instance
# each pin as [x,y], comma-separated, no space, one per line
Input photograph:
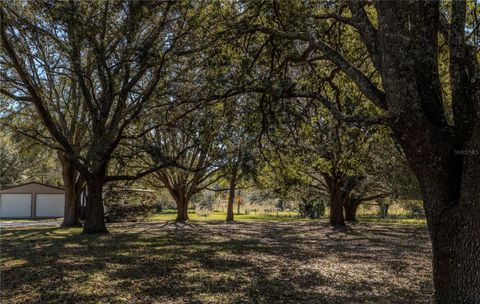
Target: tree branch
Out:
[370,90]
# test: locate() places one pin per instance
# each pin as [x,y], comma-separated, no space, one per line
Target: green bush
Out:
[414,208]
[311,208]
[129,206]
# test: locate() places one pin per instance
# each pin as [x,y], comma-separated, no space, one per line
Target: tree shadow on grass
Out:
[209,263]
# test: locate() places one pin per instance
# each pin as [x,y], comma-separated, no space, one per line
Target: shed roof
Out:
[32,187]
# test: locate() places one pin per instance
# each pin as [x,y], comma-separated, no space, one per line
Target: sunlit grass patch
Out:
[221,216]
[407,221]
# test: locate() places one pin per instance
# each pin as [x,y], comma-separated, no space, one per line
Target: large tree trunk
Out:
[238,208]
[445,159]
[231,193]
[455,230]
[182,210]
[336,207]
[336,213]
[71,216]
[384,210]
[231,197]
[95,217]
[449,181]
[351,212]
[449,178]
[336,200]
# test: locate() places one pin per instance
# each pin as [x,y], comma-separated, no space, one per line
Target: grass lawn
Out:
[406,221]
[214,262]
[170,215]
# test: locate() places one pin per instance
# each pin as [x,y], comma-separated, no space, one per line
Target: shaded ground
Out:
[255,262]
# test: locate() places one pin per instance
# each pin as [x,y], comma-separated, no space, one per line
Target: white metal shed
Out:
[32,200]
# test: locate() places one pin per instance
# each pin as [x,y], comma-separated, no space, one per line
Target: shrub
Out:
[311,208]
[415,208]
[127,206]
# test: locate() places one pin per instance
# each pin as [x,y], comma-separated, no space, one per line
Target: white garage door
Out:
[15,205]
[50,205]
